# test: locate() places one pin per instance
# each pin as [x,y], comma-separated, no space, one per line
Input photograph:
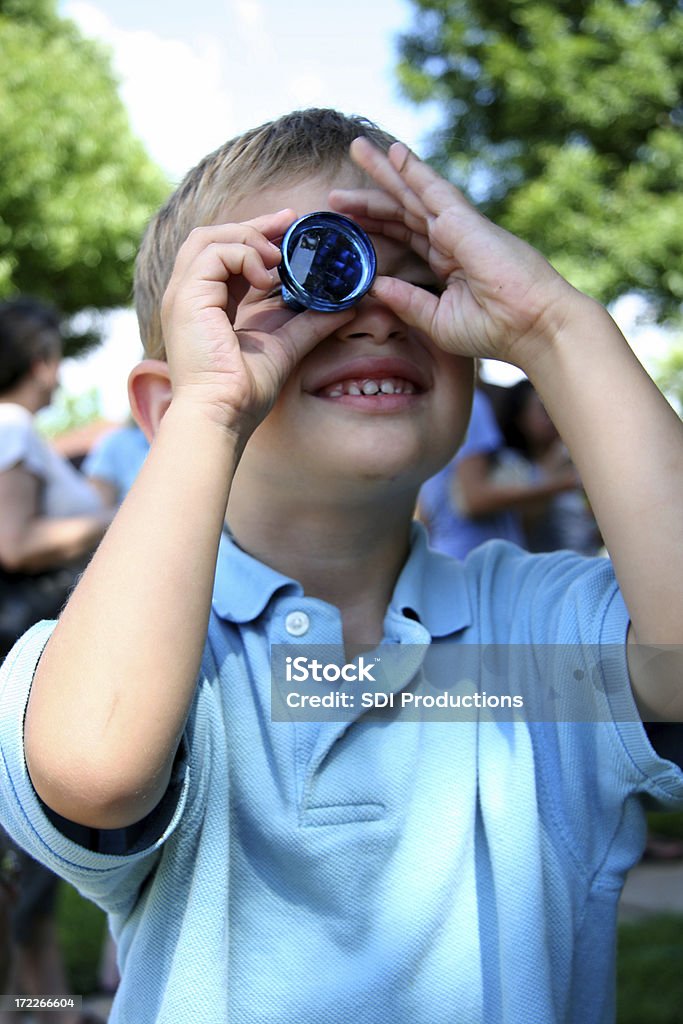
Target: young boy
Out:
[367,869]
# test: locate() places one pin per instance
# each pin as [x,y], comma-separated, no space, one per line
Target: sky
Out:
[193,74]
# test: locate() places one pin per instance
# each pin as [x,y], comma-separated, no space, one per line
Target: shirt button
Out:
[297,623]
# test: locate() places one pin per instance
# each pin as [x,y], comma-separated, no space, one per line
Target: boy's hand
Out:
[233,360]
[501,298]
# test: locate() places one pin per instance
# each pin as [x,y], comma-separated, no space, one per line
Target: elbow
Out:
[88,793]
[93,806]
[475,506]
[16,557]
[12,559]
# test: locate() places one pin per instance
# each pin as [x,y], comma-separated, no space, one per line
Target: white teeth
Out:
[369,387]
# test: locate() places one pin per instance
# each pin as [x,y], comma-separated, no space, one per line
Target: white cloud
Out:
[214,74]
[175,92]
[306,89]
[107,366]
[256,41]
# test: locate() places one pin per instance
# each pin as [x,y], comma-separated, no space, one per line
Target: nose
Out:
[374,322]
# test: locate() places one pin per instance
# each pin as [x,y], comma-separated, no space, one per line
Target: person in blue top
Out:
[443,854]
[115,460]
[442,504]
[476,498]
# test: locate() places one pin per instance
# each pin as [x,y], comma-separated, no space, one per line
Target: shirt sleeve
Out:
[20,445]
[565,615]
[560,623]
[98,461]
[107,867]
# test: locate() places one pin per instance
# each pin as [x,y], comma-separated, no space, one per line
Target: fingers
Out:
[300,334]
[411,182]
[371,207]
[259,233]
[212,255]
[206,273]
[274,225]
[411,304]
[389,177]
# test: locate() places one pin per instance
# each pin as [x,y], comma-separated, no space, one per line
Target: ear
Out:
[149,393]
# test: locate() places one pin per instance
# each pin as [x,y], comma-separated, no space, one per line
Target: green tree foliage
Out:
[76,187]
[564,119]
[669,375]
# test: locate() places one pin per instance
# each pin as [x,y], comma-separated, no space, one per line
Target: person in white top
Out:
[50,516]
[49,512]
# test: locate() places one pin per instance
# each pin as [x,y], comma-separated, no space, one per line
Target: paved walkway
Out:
[652,888]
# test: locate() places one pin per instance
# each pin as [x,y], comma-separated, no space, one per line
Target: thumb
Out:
[303,332]
[413,305]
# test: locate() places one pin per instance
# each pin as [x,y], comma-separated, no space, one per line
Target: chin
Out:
[394,469]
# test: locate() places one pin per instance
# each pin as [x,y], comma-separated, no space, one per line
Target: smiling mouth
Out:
[369,387]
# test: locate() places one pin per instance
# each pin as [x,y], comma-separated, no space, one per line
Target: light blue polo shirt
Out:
[376,870]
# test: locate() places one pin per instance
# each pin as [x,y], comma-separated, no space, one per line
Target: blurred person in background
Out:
[49,513]
[472,499]
[534,453]
[50,518]
[115,460]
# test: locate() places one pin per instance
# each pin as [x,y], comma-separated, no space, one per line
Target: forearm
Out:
[114,685]
[627,445]
[45,543]
[488,497]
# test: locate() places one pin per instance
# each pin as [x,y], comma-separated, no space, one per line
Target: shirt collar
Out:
[243,586]
[431,587]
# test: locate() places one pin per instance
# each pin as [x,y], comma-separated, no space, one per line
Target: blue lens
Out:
[328,263]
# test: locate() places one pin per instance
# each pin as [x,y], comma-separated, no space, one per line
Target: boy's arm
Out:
[113,688]
[504,301]
[627,444]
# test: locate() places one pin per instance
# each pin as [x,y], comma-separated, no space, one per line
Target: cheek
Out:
[456,374]
[278,431]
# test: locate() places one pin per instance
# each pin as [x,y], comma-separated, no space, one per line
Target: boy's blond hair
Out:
[295,146]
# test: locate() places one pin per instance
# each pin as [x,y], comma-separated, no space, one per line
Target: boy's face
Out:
[374,401]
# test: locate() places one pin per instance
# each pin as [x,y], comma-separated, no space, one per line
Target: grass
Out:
[650,971]
[665,823]
[82,929]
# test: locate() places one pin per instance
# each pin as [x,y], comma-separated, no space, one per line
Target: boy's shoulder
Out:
[518,597]
[499,594]
[558,597]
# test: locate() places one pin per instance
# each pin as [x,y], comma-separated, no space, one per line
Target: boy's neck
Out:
[347,556]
